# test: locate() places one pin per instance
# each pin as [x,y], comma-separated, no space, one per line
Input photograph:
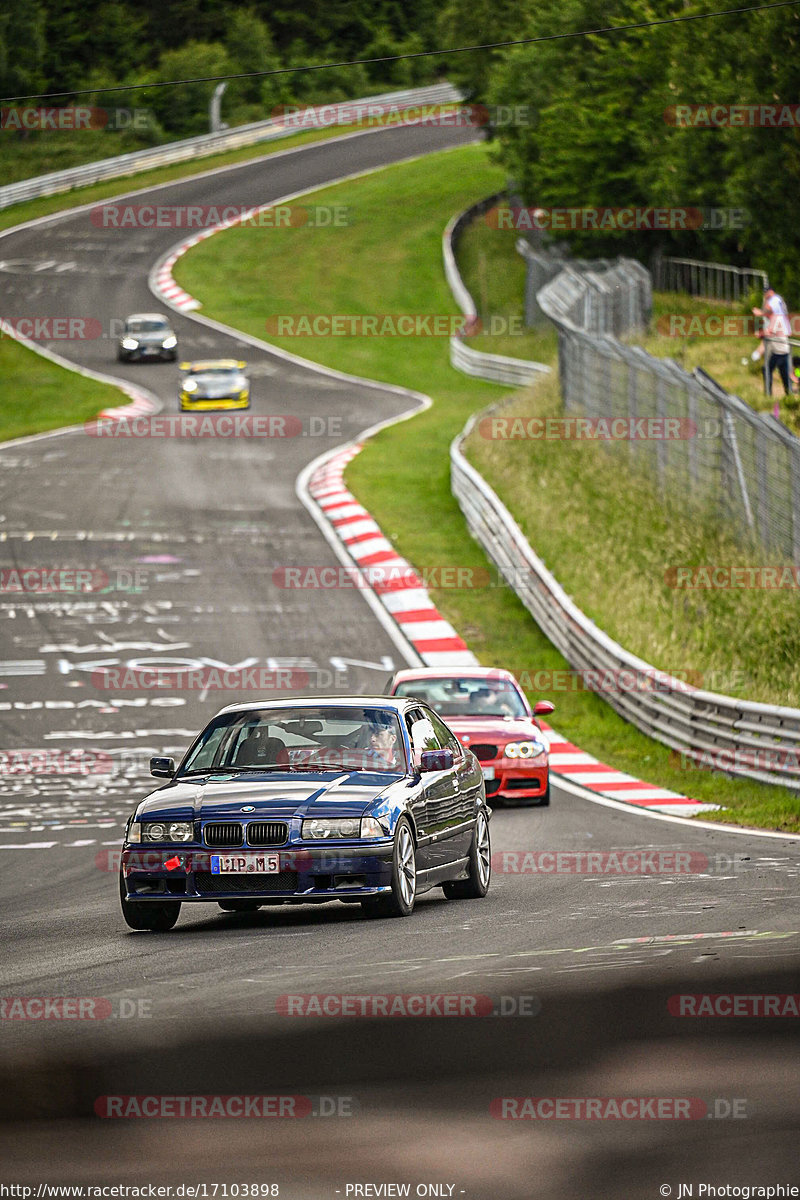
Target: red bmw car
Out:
[489,713]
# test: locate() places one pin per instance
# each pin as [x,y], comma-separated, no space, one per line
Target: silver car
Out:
[147,335]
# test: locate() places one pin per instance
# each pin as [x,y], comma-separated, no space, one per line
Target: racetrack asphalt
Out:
[205,523]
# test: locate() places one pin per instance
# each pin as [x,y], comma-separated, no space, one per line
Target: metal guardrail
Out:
[741,737]
[713,281]
[199,147]
[496,368]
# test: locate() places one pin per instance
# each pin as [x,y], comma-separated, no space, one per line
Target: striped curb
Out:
[588,772]
[438,644]
[140,406]
[165,285]
[411,608]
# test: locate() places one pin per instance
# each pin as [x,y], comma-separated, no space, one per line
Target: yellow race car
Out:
[215,384]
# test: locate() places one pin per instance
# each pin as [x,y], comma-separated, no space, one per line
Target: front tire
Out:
[476,885]
[400,901]
[157,918]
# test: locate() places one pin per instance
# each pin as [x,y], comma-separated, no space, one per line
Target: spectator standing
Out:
[777,327]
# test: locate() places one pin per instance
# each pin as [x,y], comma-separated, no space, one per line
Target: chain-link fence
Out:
[713,281]
[743,464]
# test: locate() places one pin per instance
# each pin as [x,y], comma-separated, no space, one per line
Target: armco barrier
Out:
[759,741]
[199,147]
[497,368]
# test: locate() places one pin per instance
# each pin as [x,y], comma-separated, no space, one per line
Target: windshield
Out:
[224,371]
[478,697]
[146,326]
[318,738]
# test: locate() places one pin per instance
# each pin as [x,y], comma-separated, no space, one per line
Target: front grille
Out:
[267,833]
[492,786]
[483,751]
[210,885]
[521,784]
[228,833]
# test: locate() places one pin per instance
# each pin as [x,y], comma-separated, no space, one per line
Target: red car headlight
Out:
[524,750]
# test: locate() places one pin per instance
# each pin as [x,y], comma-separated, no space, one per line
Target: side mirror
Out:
[542,708]
[162,768]
[436,760]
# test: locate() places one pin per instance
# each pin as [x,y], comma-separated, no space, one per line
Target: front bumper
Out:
[307,874]
[224,404]
[149,352]
[514,783]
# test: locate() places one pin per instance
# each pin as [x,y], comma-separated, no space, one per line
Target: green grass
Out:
[39,395]
[487,257]
[390,262]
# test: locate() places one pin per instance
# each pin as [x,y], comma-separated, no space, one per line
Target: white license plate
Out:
[245,864]
[488,772]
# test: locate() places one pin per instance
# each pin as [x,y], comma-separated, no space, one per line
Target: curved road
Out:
[190,533]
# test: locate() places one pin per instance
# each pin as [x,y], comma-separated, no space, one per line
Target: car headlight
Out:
[331,827]
[167,831]
[130,343]
[372,827]
[524,749]
[190,385]
[169,342]
[243,394]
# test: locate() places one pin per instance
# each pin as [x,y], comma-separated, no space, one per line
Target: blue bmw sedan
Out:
[363,800]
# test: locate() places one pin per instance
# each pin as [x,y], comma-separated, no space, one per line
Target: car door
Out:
[419,733]
[444,802]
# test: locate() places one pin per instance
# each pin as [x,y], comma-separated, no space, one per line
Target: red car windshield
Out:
[466,697]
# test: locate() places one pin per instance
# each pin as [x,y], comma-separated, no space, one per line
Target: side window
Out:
[422,734]
[447,739]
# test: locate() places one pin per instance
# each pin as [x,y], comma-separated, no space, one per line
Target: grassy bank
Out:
[39,395]
[390,262]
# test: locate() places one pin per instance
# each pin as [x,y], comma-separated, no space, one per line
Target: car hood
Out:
[349,793]
[211,387]
[493,729]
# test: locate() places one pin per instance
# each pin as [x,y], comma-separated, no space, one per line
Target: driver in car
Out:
[383,744]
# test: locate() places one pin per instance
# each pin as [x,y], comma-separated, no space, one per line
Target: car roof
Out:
[147,317]
[396,704]
[476,672]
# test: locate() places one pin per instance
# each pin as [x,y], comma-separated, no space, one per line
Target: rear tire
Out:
[400,901]
[157,918]
[476,885]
